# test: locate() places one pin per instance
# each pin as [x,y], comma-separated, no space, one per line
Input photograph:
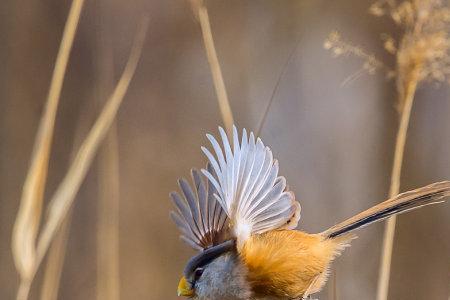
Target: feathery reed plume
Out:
[29,215]
[422,53]
[371,65]
[201,12]
[108,275]
[64,195]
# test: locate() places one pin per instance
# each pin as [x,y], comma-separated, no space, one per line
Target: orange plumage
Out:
[284,263]
[243,222]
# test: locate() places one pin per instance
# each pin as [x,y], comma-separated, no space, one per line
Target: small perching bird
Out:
[241,217]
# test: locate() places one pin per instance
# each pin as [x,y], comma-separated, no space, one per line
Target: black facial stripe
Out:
[207,256]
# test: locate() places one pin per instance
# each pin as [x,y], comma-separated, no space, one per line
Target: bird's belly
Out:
[284,264]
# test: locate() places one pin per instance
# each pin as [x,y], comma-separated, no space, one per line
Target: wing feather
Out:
[185,213]
[245,177]
[199,217]
[191,243]
[192,201]
[202,199]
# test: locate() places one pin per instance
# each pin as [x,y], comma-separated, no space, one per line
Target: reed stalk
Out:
[57,252]
[29,215]
[389,231]
[225,109]
[64,195]
[55,261]
[275,89]
[332,290]
[422,53]
[108,274]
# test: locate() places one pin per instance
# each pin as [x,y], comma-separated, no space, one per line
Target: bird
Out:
[241,217]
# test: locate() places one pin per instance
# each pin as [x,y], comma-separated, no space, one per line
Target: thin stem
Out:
[55,261]
[58,248]
[108,274]
[24,289]
[216,71]
[333,286]
[275,89]
[29,215]
[64,195]
[389,232]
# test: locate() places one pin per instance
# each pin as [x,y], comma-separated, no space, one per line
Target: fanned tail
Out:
[430,194]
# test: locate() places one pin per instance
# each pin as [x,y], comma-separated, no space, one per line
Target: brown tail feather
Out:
[427,195]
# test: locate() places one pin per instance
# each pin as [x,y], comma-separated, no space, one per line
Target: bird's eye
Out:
[198,273]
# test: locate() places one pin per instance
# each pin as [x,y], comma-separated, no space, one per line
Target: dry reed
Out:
[201,12]
[28,250]
[422,53]
[275,89]
[332,290]
[108,276]
[64,195]
[108,273]
[56,253]
[55,261]
[29,215]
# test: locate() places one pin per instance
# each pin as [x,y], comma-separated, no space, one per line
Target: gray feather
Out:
[199,217]
[224,279]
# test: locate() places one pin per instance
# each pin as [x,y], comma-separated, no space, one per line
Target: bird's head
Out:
[215,273]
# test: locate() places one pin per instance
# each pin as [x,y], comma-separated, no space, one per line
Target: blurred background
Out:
[334,142]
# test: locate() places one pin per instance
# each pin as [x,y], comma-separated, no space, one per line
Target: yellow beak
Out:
[184,288]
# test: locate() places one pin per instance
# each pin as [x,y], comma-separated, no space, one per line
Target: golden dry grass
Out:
[57,252]
[108,274]
[422,53]
[108,258]
[28,218]
[30,246]
[201,12]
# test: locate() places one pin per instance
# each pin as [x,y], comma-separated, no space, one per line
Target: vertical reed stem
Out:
[57,252]
[389,232]
[332,290]
[216,71]
[28,218]
[55,261]
[24,289]
[108,279]
[64,195]
[275,89]
[108,275]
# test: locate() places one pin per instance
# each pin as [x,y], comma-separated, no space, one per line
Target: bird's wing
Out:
[199,217]
[248,187]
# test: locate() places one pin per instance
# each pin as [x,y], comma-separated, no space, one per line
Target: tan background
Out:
[334,142]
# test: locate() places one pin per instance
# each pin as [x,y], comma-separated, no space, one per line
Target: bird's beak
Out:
[184,288]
